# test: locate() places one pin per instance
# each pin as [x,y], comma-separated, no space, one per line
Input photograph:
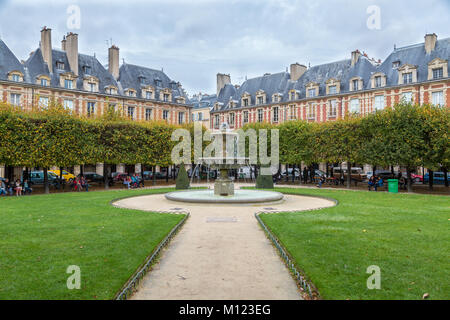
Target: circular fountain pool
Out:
[240,196]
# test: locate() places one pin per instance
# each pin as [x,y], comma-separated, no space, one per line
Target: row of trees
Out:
[407,135]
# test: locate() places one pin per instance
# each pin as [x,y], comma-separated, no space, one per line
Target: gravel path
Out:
[221,253]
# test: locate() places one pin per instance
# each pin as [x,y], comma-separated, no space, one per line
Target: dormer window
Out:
[16,78]
[111,90]
[158,82]
[407,78]
[245,101]
[378,82]
[260,100]
[355,85]
[292,96]
[59,65]
[87,69]
[141,79]
[149,95]
[395,64]
[332,90]
[44,82]
[130,93]
[68,84]
[311,93]
[438,73]
[92,87]
[166,97]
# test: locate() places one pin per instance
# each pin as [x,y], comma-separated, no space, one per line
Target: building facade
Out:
[201,108]
[417,73]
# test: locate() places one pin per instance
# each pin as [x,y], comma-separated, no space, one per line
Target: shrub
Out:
[264,182]
[182,179]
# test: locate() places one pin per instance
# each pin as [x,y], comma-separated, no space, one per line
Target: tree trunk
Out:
[46,188]
[445,176]
[105,176]
[293,173]
[167,175]
[154,175]
[408,179]
[287,173]
[82,170]
[349,174]
[430,179]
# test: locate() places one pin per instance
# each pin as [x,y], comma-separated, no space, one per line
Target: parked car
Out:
[357,174]
[148,175]
[69,177]
[385,174]
[416,178]
[118,176]
[92,177]
[438,177]
[37,178]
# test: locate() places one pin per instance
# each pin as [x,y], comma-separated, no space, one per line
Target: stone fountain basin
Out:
[240,196]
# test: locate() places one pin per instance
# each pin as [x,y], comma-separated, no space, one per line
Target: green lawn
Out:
[40,236]
[407,236]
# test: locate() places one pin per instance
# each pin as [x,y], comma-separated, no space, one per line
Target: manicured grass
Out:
[407,236]
[40,236]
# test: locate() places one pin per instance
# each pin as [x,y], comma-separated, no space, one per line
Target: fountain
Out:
[223,186]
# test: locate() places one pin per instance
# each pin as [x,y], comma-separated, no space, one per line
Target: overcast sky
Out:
[194,39]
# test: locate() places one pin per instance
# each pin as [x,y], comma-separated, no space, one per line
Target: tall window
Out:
[180,117]
[292,113]
[245,102]
[378,103]
[311,111]
[165,114]
[43,101]
[275,114]
[148,95]
[332,109]
[332,89]
[44,82]
[438,73]
[131,113]
[68,84]
[292,96]
[260,115]
[148,114]
[407,97]
[354,105]
[407,78]
[216,120]
[438,98]
[377,81]
[312,93]
[90,108]
[15,99]
[355,85]
[91,87]
[245,116]
[130,93]
[166,97]
[68,104]
[200,116]
[231,119]
[60,65]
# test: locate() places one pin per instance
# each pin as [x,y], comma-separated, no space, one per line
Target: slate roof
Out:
[8,62]
[132,76]
[206,101]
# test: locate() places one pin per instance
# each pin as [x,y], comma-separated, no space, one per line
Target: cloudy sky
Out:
[192,40]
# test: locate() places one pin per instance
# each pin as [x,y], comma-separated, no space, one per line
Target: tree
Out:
[182,182]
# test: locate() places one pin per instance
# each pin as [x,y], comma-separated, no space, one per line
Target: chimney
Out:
[297,70]
[63,44]
[430,42]
[355,57]
[72,51]
[113,61]
[222,80]
[46,47]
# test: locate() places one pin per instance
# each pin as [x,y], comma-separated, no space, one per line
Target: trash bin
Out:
[393,185]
